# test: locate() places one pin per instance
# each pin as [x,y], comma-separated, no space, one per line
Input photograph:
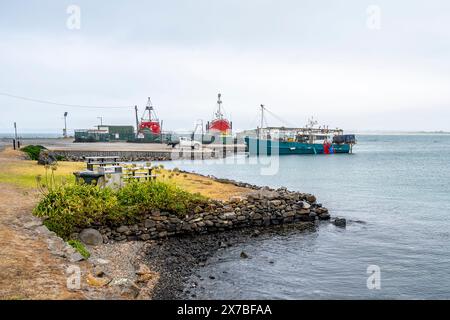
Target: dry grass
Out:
[205,186]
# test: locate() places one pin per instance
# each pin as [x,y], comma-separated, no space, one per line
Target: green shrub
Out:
[77,245]
[68,207]
[33,151]
[143,197]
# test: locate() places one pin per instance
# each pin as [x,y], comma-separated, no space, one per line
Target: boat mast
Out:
[262,121]
[149,107]
[219,114]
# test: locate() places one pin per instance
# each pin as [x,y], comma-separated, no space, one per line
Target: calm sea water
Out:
[398,185]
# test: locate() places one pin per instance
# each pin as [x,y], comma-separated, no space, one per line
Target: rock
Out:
[35,222]
[98,271]
[144,237]
[324,216]
[144,273]
[44,231]
[198,209]
[305,205]
[143,269]
[91,237]
[288,214]
[340,222]
[256,233]
[162,234]
[275,203]
[243,255]
[122,229]
[236,199]
[310,198]
[96,282]
[75,257]
[229,215]
[256,216]
[100,261]
[46,157]
[126,287]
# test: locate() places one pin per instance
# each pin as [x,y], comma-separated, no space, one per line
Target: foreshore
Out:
[157,257]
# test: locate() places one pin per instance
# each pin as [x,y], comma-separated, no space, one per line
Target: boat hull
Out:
[257,146]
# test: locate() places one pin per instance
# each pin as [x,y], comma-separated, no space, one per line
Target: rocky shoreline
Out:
[178,259]
[175,248]
[259,207]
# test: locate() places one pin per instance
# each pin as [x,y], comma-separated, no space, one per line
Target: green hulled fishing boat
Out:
[309,139]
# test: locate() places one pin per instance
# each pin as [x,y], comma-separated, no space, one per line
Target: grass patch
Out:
[33,151]
[23,173]
[66,208]
[77,245]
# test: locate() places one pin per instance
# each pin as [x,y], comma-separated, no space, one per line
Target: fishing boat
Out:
[309,139]
[149,121]
[219,125]
[149,127]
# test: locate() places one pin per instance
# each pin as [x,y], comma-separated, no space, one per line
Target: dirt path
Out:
[27,268]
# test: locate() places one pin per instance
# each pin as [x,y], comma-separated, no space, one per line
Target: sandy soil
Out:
[27,269]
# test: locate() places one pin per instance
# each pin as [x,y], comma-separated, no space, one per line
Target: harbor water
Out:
[395,193]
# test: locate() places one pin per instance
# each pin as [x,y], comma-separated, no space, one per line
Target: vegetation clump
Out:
[33,151]
[77,245]
[70,207]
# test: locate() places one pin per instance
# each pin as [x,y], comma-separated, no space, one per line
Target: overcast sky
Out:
[343,62]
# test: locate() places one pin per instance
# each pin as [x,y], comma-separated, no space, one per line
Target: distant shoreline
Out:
[54,136]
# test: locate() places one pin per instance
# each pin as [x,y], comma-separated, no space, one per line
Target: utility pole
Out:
[101,120]
[65,125]
[161,132]
[15,137]
[137,120]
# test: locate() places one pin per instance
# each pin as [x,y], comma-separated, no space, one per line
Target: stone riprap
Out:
[260,207]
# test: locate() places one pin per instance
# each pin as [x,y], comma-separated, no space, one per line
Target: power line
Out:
[62,104]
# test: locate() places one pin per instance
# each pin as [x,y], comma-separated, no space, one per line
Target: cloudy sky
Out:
[356,64]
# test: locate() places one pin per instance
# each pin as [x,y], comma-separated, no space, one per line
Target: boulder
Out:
[91,237]
[310,198]
[340,222]
[46,157]
[243,255]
